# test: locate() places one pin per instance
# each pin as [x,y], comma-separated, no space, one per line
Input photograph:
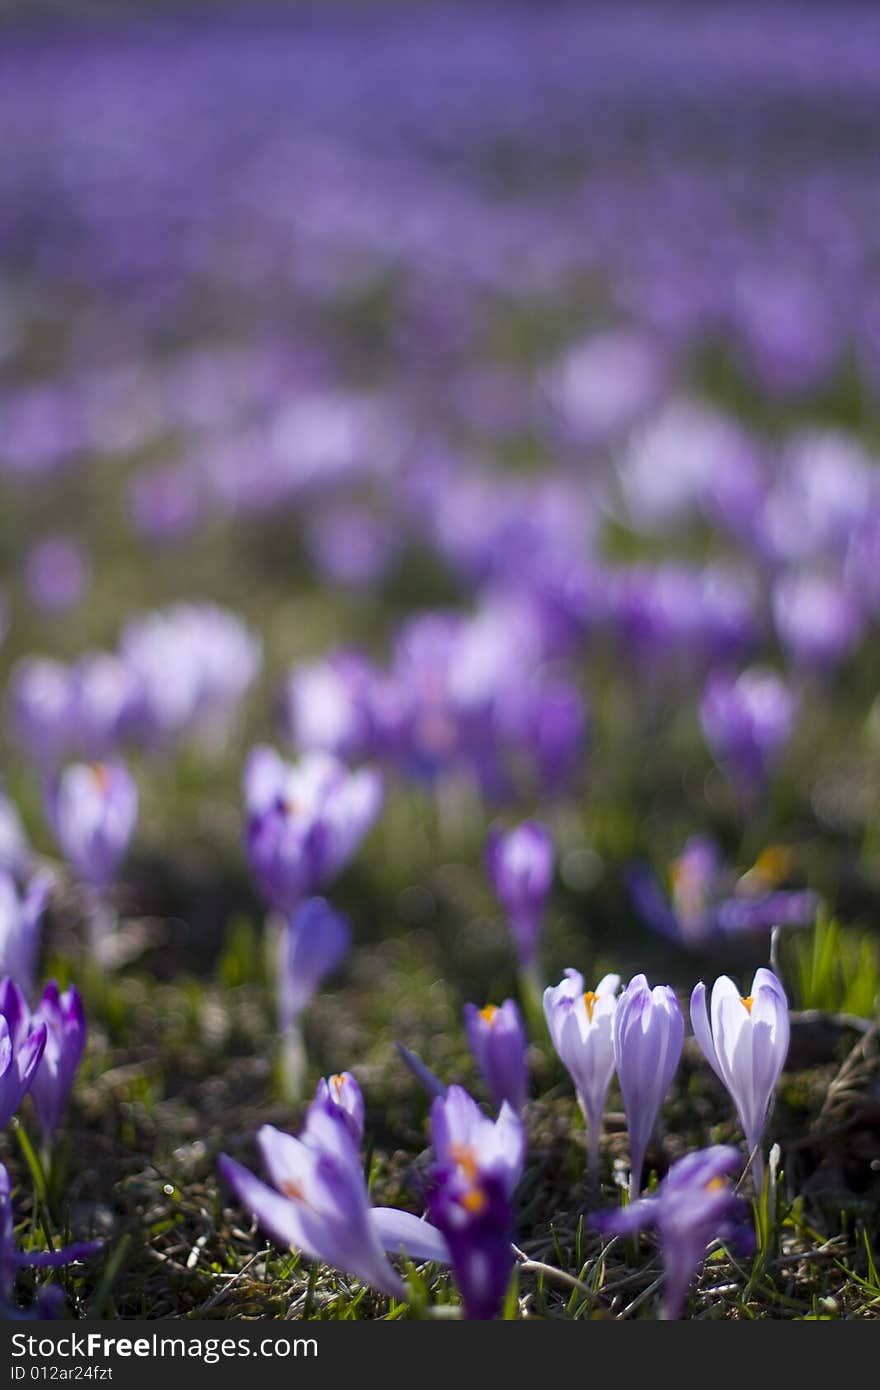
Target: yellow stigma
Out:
[488,1013]
[715,1184]
[464,1157]
[747,1002]
[337,1082]
[101,776]
[292,1190]
[775,863]
[474,1201]
[590,1000]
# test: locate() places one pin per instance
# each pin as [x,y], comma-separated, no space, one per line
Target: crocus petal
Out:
[702,1031]
[275,1213]
[399,1232]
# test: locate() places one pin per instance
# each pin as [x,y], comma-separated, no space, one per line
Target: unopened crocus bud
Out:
[65,1021]
[92,809]
[21,1049]
[314,941]
[580,1023]
[520,865]
[342,1094]
[693,1205]
[497,1038]
[745,1044]
[648,1036]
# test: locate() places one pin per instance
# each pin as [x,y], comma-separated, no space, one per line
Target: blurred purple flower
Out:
[305,821]
[65,1021]
[520,866]
[93,809]
[315,940]
[20,927]
[342,1093]
[818,621]
[704,902]
[693,1205]
[20,1050]
[39,708]
[747,720]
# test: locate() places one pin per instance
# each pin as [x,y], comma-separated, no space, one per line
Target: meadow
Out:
[439,549]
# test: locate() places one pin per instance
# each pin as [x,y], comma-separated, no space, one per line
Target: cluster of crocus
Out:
[639,1034]
[178,672]
[316,1200]
[304,821]
[747,720]
[92,809]
[313,941]
[497,1039]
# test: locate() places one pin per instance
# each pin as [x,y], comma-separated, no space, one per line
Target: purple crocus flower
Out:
[747,720]
[745,1044]
[318,1203]
[57,573]
[39,708]
[477,1166]
[20,1050]
[581,1023]
[520,865]
[12,1258]
[65,1021]
[304,821]
[693,1205]
[314,941]
[497,1038]
[648,1036]
[342,1093]
[20,927]
[93,808]
[818,621]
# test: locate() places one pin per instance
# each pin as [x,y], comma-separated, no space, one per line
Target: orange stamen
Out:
[474,1201]
[488,1013]
[590,1000]
[747,1002]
